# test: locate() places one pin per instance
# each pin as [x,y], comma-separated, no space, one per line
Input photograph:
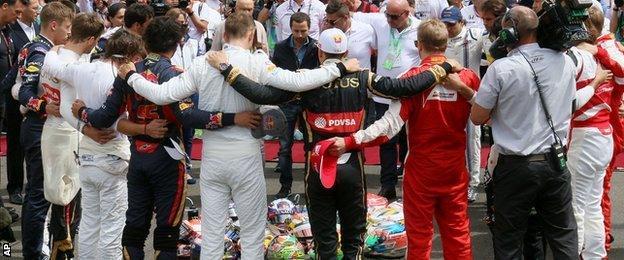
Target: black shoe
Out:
[400,170]
[283,192]
[277,169]
[13,213]
[16,199]
[388,192]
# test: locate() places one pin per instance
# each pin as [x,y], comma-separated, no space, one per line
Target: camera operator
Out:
[202,21]
[530,171]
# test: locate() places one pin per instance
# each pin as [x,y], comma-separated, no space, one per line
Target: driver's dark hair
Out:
[300,17]
[163,34]
[137,13]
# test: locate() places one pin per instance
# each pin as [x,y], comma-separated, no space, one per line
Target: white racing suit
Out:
[232,164]
[103,167]
[467,48]
[58,142]
[590,151]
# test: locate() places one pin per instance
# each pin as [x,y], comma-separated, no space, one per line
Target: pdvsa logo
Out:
[342,122]
[320,122]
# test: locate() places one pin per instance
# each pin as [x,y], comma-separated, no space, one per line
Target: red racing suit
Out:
[436,178]
[611,56]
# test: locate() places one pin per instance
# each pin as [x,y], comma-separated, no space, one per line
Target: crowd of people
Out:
[102,100]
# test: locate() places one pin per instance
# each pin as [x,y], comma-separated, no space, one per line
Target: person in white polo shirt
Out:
[395,31]
[361,36]
[466,45]
[313,8]
[429,9]
[471,15]
[202,21]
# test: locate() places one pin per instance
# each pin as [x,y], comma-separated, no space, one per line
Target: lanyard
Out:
[299,10]
[395,43]
[8,42]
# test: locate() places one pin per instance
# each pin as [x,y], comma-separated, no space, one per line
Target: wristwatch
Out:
[223,66]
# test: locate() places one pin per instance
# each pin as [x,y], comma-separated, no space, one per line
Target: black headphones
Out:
[509,35]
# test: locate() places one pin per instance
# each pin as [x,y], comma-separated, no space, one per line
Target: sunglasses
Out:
[394,16]
[332,22]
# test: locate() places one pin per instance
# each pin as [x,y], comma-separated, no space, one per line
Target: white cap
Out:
[333,41]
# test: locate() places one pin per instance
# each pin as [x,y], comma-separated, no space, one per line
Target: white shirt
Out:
[409,56]
[184,56]
[472,18]
[54,90]
[519,125]
[214,5]
[91,83]
[207,14]
[429,9]
[28,30]
[314,8]
[361,43]
[466,48]
[215,94]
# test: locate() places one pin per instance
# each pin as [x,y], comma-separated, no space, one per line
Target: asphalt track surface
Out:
[481,238]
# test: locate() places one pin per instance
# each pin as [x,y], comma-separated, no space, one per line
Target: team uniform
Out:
[103,167]
[232,169]
[467,48]
[156,181]
[590,151]
[611,56]
[337,109]
[436,180]
[35,91]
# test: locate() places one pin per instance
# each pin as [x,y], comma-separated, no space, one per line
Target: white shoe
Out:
[298,135]
[472,194]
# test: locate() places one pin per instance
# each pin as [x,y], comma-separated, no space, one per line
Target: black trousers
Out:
[292,111]
[388,152]
[15,155]
[156,184]
[35,207]
[348,198]
[520,185]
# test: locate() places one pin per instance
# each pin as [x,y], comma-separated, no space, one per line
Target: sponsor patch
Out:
[442,94]
[32,69]
[185,105]
[215,121]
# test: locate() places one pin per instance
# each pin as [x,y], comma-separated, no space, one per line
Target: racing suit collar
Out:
[228,46]
[330,61]
[74,54]
[46,40]
[434,59]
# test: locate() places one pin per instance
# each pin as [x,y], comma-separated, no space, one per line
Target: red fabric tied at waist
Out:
[51,94]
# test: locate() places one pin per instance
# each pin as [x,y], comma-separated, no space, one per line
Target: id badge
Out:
[394,54]
[391,59]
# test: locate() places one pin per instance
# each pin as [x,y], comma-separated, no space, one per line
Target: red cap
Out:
[324,163]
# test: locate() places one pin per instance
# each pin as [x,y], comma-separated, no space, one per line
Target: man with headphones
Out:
[530,120]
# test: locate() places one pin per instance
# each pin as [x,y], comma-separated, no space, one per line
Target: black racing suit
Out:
[156,181]
[35,207]
[337,109]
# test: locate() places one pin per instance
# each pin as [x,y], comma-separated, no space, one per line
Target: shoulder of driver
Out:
[263,60]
